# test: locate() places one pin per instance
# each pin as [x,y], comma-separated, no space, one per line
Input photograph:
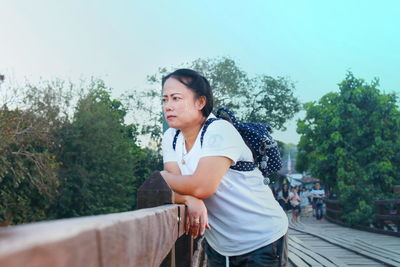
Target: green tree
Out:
[102,165]
[351,141]
[258,99]
[55,164]
[28,167]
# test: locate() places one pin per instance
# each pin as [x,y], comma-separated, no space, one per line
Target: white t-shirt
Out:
[319,192]
[243,213]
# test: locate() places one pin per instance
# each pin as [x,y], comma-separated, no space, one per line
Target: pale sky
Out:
[313,43]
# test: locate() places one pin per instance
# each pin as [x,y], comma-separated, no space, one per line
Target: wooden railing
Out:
[333,210]
[387,212]
[151,236]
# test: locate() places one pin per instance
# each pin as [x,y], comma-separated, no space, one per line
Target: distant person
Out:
[311,199]
[242,223]
[294,199]
[318,195]
[283,197]
[304,202]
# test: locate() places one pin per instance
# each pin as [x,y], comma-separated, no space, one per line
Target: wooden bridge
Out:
[313,243]
[154,236]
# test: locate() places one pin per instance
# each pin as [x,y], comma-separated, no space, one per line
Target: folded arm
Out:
[204,181]
[197,219]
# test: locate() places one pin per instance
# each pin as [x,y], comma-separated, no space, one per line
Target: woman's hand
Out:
[197,218]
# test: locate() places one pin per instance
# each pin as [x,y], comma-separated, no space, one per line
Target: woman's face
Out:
[180,106]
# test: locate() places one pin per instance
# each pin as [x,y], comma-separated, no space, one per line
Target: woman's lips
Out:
[170,117]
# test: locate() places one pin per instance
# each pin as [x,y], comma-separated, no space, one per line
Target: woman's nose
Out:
[167,105]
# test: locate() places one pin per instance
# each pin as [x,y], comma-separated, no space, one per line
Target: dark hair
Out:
[197,83]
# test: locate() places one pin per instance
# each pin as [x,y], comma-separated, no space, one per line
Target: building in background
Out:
[288,174]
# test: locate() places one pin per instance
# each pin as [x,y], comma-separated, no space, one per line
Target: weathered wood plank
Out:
[309,260]
[333,240]
[120,239]
[385,249]
[140,242]
[296,260]
[59,243]
[342,256]
[374,251]
[294,243]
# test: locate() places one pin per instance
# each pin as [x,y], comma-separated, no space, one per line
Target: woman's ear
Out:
[201,102]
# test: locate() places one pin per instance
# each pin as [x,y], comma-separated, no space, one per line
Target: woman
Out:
[318,195]
[245,225]
[304,203]
[283,197]
[294,199]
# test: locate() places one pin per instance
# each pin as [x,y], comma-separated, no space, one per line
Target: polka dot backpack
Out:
[257,137]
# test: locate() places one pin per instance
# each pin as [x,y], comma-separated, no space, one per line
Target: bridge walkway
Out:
[313,243]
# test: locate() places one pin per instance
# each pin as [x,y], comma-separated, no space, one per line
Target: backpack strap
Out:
[231,117]
[244,166]
[206,124]
[175,138]
[240,165]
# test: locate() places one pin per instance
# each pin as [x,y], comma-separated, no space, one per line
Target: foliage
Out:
[351,141]
[259,99]
[28,168]
[102,165]
[57,163]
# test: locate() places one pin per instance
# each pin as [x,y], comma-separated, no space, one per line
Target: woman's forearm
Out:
[180,199]
[177,198]
[181,184]
[187,185]
[204,181]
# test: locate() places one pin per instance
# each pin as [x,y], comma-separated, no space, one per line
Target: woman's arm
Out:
[172,167]
[196,207]
[204,181]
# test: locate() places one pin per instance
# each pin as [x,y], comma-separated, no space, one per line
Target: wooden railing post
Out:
[155,192]
[184,251]
[333,210]
[152,193]
[388,211]
[379,211]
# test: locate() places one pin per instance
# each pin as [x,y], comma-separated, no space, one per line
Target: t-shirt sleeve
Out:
[222,139]
[169,153]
